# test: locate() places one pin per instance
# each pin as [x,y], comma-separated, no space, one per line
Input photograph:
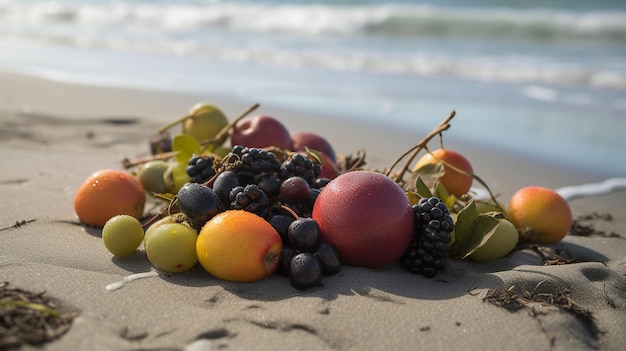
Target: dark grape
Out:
[329,258]
[281,224]
[294,190]
[305,270]
[198,203]
[320,183]
[223,184]
[284,263]
[304,234]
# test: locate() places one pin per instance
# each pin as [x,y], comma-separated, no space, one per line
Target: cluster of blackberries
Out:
[433,224]
[200,169]
[300,166]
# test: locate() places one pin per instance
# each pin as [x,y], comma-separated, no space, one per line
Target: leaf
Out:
[421,189]
[465,221]
[430,174]
[316,155]
[482,230]
[413,197]
[186,146]
[472,230]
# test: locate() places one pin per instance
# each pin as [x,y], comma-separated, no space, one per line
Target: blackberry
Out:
[200,169]
[299,165]
[433,224]
[250,198]
[252,164]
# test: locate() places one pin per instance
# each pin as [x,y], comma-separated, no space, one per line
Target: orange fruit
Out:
[455,182]
[540,215]
[108,193]
[238,245]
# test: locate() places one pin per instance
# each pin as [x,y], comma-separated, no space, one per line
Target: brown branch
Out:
[413,151]
[219,139]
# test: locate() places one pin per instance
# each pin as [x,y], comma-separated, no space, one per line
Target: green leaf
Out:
[186,146]
[482,230]
[465,220]
[421,189]
[472,230]
[430,174]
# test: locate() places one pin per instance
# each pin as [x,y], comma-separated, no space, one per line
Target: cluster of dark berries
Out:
[255,180]
[252,164]
[304,259]
[200,169]
[300,166]
[433,224]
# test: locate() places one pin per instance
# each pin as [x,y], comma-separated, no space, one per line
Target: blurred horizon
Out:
[543,78]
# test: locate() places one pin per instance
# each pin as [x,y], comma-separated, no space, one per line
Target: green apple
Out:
[503,241]
[204,121]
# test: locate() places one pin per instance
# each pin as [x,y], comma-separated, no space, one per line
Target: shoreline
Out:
[67,131]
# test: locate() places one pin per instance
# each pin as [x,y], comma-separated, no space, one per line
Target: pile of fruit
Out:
[247,198]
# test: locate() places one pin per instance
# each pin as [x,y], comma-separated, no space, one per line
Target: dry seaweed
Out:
[29,318]
[580,228]
[551,257]
[536,303]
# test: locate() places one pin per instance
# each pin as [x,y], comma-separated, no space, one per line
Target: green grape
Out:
[172,247]
[151,176]
[122,235]
[164,220]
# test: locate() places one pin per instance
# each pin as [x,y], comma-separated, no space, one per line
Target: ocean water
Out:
[544,78]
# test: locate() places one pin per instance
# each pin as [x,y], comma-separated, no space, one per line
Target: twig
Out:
[413,151]
[19,224]
[219,139]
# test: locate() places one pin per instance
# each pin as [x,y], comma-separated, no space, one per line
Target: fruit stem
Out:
[414,150]
[222,135]
[219,139]
[171,124]
[291,212]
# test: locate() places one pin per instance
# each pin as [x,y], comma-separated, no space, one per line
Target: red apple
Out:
[367,218]
[261,131]
[313,141]
[455,182]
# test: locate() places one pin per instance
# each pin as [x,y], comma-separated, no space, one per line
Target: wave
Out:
[394,20]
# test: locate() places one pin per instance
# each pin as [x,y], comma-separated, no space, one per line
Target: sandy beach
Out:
[53,135]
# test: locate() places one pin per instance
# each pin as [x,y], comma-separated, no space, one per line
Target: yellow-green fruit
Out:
[122,235]
[172,247]
[175,177]
[503,241]
[164,220]
[204,122]
[151,176]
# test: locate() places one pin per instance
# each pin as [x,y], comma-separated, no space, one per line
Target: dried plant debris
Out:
[29,318]
[581,227]
[18,224]
[551,257]
[537,302]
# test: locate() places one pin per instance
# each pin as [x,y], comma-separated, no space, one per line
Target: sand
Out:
[53,135]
